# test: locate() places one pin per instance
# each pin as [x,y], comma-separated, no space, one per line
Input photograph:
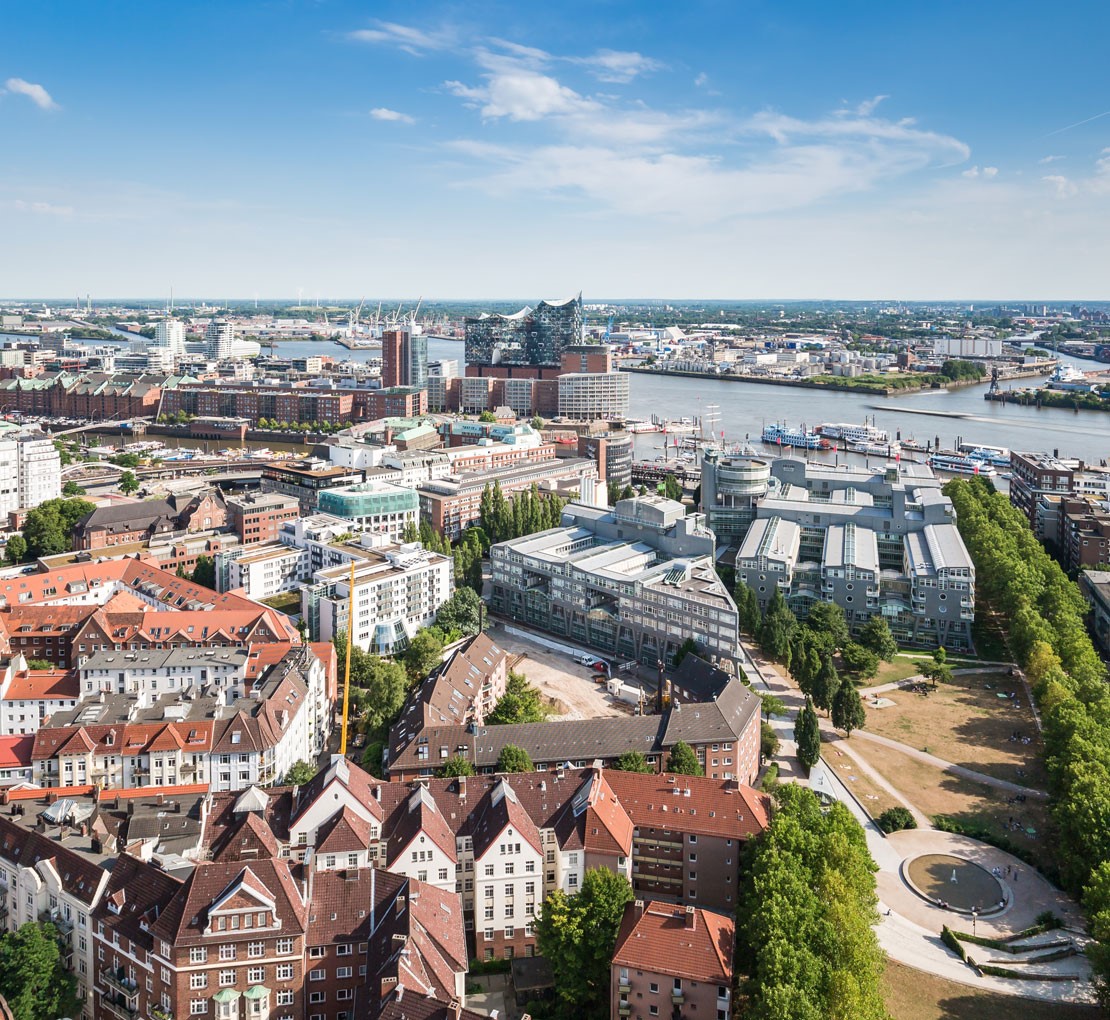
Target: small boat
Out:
[876,449]
[676,425]
[853,433]
[641,426]
[781,435]
[959,464]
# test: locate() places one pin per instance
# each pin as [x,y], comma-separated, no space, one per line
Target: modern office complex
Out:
[587,395]
[404,359]
[634,581]
[169,334]
[731,487]
[872,541]
[533,337]
[374,506]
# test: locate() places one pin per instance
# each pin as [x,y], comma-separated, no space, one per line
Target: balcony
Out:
[624,988]
[624,1009]
[158,1013]
[118,1009]
[115,980]
[678,998]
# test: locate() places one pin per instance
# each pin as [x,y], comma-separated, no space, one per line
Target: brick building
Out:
[257,517]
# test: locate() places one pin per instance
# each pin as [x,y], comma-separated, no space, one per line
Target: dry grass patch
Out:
[967,723]
[874,799]
[936,792]
[915,995]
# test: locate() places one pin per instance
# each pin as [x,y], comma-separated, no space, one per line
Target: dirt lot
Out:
[563,681]
[967,723]
[935,792]
[913,995]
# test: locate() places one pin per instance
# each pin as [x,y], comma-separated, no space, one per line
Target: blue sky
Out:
[908,150]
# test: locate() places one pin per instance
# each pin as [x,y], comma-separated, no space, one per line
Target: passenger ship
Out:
[956,464]
[780,435]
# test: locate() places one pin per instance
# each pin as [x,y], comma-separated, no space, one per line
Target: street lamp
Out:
[974,918]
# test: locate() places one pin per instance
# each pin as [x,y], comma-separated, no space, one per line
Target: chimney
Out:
[691,918]
[638,908]
[456,1009]
[462,787]
[400,905]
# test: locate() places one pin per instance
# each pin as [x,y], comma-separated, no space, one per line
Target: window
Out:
[227,952]
[227,978]
[285,997]
[256,949]
[198,954]
[256,975]
[315,952]
[342,972]
[654,987]
[284,972]
[343,949]
[198,980]
[443,874]
[488,871]
[198,1007]
[345,993]
[315,996]
[653,1010]
[285,947]
[316,975]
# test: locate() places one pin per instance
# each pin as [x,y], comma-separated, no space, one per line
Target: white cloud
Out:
[1064,187]
[867,107]
[523,95]
[36,93]
[42,208]
[619,66]
[384,113]
[404,37]
[1097,183]
[1050,159]
[987,172]
[701,80]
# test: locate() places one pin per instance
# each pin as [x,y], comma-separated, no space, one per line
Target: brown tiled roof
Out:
[714,807]
[661,940]
[711,721]
[224,819]
[608,827]
[500,809]
[41,684]
[343,833]
[357,780]
[79,876]
[252,839]
[344,906]
[135,896]
[419,815]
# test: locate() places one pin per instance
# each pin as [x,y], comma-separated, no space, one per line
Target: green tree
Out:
[827,618]
[875,635]
[33,977]
[71,488]
[461,613]
[577,935]
[16,549]
[521,703]
[424,653]
[40,664]
[671,488]
[768,741]
[632,761]
[826,684]
[514,759]
[537,422]
[204,573]
[126,460]
[847,710]
[128,483]
[300,772]
[807,735]
[770,704]
[895,819]
[48,528]
[684,761]
[456,765]
[487,416]
[747,607]
[860,660]
[378,687]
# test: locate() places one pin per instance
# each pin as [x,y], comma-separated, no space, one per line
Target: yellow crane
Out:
[347,669]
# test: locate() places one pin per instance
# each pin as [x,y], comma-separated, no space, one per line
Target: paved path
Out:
[909,926]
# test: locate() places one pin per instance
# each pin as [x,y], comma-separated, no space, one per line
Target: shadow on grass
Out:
[990,1007]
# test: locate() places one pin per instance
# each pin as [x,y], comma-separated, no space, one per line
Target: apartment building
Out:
[258,517]
[29,696]
[874,542]
[307,479]
[1037,474]
[672,961]
[1095,586]
[633,582]
[397,590]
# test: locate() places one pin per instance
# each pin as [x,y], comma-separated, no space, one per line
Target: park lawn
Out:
[288,602]
[966,723]
[915,995]
[872,797]
[936,792]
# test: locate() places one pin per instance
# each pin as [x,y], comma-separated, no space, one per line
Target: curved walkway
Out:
[909,927]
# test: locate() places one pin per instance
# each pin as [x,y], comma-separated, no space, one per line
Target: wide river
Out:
[744,408]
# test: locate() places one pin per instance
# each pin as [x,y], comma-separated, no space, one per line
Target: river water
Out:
[745,408]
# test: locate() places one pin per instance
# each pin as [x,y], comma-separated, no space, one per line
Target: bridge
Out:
[652,472]
[106,425]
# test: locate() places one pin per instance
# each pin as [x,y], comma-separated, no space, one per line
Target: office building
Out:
[373,506]
[404,359]
[872,541]
[586,395]
[258,517]
[532,338]
[633,582]
[732,485]
[219,337]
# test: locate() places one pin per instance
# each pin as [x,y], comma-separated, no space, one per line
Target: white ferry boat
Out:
[960,465]
[641,426]
[997,455]
[876,449]
[676,425]
[853,433]
[780,435]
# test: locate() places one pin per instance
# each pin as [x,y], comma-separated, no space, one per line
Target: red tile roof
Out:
[43,685]
[15,752]
[662,940]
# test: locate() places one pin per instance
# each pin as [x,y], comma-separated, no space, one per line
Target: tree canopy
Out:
[525,514]
[300,772]
[48,529]
[807,735]
[521,703]
[804,932]
[684,760]
[847,710]
[577,935]
[378,687]
[461,613]
[632,761]
[514,759]
[424,653]
[456,765]
[875,634]
[33,977]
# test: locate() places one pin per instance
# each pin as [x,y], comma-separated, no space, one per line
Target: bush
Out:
[1046,920]
[770,777]
[896,819]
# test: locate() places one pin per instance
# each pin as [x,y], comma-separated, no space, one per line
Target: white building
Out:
[30,469]
[398,590]
[219,338]
[169,334]
[588,395]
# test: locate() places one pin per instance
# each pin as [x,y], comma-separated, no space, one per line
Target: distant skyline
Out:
[709,150]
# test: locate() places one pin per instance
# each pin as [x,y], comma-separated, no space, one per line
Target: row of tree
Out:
[804,929]
[525,514]
[47,530]
[1044,615]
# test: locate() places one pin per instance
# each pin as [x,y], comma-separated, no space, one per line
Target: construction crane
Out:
[347,669]
[414,312]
